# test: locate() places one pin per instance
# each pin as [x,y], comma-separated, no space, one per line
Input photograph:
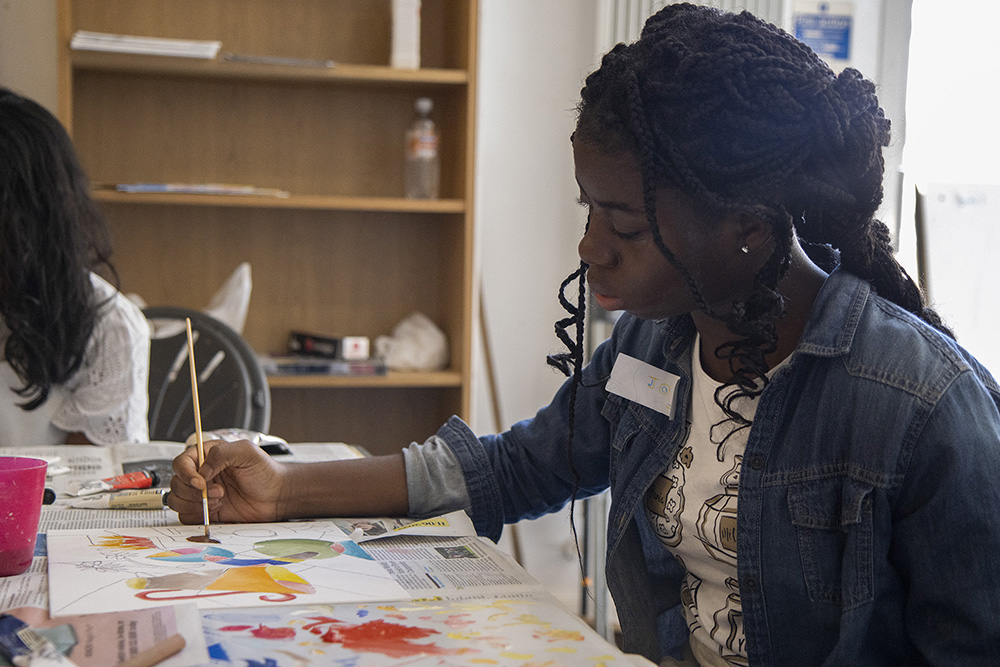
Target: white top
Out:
[108,397]
[692,508]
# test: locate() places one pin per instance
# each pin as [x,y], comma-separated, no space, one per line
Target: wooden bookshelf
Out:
[345,253]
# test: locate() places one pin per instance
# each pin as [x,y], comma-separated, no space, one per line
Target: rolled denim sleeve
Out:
[434,480]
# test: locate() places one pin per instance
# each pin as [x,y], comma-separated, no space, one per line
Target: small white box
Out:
[355,348]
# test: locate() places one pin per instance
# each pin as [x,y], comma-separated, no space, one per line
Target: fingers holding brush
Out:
[243,483]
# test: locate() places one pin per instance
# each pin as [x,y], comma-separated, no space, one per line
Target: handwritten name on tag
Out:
[643,383]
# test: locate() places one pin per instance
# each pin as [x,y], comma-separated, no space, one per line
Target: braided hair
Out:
[744,118]
[51,236]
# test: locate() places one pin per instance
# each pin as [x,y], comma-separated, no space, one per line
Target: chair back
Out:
[232,387]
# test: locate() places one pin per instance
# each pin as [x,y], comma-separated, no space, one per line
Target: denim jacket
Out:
[868,521]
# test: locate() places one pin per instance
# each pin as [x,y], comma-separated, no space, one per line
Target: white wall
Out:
[533,58]
[28,37]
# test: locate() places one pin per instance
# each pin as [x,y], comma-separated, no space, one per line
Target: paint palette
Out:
[490,631]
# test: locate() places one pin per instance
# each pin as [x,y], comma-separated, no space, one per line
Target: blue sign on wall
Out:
[826,34]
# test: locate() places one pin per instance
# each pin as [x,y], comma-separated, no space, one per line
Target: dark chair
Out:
[232,387]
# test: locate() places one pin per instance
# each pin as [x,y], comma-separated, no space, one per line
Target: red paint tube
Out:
[139,479]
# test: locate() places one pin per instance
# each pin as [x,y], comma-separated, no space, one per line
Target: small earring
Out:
[745,249]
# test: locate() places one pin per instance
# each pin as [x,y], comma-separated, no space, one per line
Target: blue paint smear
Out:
[268,662]
[216,652]
[352,549]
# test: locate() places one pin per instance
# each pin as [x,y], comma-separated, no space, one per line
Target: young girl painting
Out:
[802,461]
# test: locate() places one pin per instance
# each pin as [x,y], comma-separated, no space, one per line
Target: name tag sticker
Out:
[643,383]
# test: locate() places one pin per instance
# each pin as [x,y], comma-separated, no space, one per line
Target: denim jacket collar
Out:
[835,315]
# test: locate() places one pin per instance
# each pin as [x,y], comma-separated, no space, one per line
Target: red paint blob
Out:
[264,632]
[389,639]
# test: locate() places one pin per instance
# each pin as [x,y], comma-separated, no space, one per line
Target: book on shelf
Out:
[294,365]
[197,189]
[85,40]
[349,348]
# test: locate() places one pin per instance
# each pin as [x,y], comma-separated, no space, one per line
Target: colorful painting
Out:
[253,565]
[529,632]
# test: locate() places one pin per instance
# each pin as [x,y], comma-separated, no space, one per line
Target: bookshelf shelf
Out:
[440,379]
[311,202]
[345,254]
[126,63]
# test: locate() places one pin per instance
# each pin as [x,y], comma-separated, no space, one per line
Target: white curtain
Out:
[621,20]
[954,86]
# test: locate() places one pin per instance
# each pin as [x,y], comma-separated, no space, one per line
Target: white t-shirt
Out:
[692,508]
[106,399]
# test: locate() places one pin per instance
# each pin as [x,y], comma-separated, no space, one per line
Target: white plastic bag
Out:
[229,305]
[416,344]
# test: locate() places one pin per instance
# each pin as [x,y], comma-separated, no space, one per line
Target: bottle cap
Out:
[424,105]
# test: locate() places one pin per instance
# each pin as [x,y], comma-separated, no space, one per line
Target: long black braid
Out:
[571,365]
[744,118]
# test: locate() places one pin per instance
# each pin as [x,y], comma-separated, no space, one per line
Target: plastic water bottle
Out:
[423,168]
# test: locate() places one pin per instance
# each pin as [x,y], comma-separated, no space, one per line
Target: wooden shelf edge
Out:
[225,69]
[401,380]
[316,202]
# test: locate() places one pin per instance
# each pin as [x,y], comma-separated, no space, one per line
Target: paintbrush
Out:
[197,430]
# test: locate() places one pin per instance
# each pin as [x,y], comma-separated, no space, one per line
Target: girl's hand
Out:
[244,484]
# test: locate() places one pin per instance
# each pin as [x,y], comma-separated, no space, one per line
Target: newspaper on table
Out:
[365,529]
[452,568]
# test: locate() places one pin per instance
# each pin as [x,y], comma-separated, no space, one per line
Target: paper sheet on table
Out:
[450,567]
[493,630]
[88,462]
[62,517]
[365,529]
[308,452]
[273,564]
[28,589]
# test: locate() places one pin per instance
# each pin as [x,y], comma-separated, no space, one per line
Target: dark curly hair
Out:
[51,237]
[744,118]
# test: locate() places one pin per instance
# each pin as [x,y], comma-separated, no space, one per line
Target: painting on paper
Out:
[252,565]
[490,631]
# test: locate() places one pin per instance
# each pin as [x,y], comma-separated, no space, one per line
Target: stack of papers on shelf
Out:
[198,189]
[293,365]
[156,46]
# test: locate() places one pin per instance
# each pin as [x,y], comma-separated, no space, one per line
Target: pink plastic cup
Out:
[22,485]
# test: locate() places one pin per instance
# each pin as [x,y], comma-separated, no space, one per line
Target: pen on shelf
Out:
[157,653]
[276,60]
[197,430]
